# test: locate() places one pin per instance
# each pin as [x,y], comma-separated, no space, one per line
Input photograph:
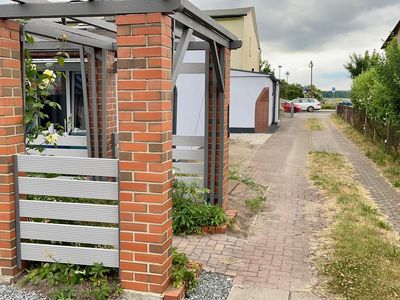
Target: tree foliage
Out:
[265,66]
[389,75]
[360,63]
[377,90]
[290,91]
[314,92]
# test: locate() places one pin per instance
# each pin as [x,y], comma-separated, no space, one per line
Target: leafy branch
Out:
[38,87]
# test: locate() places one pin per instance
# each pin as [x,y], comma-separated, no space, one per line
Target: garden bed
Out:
[65,281]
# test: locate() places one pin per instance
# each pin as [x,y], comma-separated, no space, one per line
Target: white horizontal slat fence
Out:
[48,209]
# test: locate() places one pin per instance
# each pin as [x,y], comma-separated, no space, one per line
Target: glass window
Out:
[78,112]
[58,94]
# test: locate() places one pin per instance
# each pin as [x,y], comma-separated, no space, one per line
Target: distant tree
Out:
[291,91]
[338,94]
[314,92]
[265,66]
[360,63]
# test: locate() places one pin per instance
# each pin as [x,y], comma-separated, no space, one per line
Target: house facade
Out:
[243,23]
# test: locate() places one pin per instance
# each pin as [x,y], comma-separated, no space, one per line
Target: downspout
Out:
[274,104]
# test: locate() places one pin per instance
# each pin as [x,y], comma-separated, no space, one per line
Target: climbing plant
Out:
[38,87]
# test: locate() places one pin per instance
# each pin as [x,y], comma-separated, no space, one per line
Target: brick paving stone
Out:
[276,253]
[386,197]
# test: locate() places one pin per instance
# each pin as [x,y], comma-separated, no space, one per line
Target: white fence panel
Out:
[71,255]
[99,234]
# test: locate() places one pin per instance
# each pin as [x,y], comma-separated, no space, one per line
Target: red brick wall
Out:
[262,111]
[111,105]
[226,133]
[11,139]
[145,124]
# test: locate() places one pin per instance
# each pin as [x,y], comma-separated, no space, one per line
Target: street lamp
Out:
[311,65]
[280,67]
[287,84]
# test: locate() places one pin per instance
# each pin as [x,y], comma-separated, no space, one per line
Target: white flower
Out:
[51,77]
[51,138]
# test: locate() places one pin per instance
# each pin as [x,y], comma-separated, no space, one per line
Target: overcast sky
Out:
[293,32]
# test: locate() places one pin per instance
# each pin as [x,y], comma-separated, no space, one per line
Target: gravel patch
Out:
[212,286]
[9,292]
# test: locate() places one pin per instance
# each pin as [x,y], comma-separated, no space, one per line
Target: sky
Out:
[294,32]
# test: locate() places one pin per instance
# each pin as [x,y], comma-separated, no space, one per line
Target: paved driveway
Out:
[276,254]
[275,258]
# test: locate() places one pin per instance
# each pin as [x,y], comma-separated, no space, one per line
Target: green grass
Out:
[254,204]
[314,124]
[386,163]
[329,105]
[361,257]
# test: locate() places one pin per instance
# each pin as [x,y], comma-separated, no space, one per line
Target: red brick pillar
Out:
[262,112]
[111,104]
[145,124]
[225,165]
[11,141]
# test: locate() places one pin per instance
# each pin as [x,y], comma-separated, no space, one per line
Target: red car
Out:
[287,105]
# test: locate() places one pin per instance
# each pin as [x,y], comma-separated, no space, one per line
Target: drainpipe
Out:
[274,104]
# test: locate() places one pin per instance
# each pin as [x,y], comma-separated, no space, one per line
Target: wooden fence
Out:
[379,132]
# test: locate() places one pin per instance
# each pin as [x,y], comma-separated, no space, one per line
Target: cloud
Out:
[293,32]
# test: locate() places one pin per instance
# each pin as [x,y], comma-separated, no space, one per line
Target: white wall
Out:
[191,98]
[245,89]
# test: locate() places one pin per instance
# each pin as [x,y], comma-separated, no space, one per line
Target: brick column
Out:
[145,124]
[262,112]
[225,166]
[111,105]
[11,141]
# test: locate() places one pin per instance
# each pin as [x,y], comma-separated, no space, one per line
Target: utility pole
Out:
[287,84]
[311,65]
[280,67]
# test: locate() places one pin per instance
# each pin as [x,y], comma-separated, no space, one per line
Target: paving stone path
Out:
[382,192]
[276,254]
[275,258]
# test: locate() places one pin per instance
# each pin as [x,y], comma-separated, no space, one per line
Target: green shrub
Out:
[190,210]
[183,272]
[65,279]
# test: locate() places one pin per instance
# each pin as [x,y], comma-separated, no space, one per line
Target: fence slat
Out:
[189,168]
[68,165]
[61,152]
[188,154]
[69,211]
[67,254]
[65,141]
[68,188]
[180,140]
[70,233]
